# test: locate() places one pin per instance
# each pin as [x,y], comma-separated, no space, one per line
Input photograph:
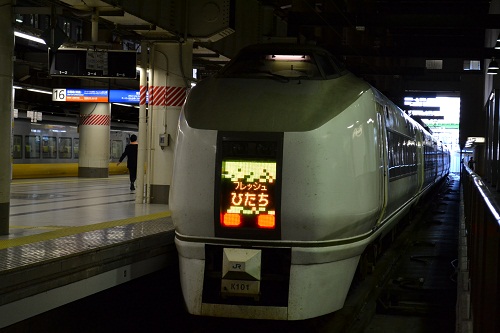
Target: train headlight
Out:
[266,221]
[231,220]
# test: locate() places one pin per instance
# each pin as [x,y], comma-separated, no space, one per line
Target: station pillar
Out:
[6,107]
[94,127]
[172,69]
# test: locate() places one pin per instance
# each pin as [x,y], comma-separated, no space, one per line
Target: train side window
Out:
[401,155]
[32,146]
[17,144]
[49,147]
[116,149]
[76,148]
[64,147]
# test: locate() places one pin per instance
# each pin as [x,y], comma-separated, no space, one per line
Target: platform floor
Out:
[71,237]
[42,205]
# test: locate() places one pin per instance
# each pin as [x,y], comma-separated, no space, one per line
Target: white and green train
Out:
[286,168]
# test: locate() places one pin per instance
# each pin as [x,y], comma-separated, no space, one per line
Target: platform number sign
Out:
[80,95]
[59,95]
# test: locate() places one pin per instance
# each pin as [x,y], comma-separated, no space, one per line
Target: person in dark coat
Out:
[131,154]
[471,163]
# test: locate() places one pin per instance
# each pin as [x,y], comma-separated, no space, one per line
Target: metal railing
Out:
[482,223]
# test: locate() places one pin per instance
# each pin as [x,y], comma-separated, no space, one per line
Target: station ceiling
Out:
[402,47]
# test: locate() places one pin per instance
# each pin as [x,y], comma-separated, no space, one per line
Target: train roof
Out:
[258,52]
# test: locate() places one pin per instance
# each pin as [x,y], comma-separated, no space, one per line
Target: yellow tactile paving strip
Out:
[75,243]
[68,231]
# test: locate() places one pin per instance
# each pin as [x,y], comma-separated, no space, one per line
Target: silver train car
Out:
[286,168]
[51,148]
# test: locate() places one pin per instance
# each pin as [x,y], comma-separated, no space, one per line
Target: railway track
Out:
[414,286]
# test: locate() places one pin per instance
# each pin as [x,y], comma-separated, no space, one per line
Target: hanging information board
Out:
[93,63]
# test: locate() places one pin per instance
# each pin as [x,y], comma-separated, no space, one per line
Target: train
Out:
[287,167]
[50,148]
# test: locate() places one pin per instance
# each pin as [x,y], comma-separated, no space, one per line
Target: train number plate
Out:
[240,287]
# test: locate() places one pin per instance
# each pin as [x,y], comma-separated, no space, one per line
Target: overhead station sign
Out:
[115,64]
[124,96]
[80,95]
[96,96]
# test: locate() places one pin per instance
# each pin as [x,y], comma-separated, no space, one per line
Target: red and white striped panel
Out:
[95,119]
[166,96]
[157,95]
[143,92]
[175,96]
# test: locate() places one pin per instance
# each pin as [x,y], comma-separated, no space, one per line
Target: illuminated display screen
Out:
[80,95]
[247,194]
[124,96]
[86,95]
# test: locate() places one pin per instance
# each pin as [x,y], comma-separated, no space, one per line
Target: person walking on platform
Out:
[471,163]
[131,154]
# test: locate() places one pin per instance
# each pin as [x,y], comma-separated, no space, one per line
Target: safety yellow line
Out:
[64,180]
[43,227]
[78,230]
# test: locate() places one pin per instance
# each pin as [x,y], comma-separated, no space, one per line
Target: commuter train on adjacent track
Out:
[286,168]
[51,148]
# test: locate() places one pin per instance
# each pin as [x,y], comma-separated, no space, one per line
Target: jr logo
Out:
[237,267]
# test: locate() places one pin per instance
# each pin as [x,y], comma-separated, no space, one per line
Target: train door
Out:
[383,158]
[420,160]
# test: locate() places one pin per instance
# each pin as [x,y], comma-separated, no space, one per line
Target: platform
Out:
[72,237]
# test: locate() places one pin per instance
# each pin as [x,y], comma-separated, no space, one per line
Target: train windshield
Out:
[284,65]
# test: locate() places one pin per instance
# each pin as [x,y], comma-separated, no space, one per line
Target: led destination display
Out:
[247,194]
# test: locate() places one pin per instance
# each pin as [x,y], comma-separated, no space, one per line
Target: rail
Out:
[482,223]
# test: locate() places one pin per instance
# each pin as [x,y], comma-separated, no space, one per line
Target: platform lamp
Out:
[493,67]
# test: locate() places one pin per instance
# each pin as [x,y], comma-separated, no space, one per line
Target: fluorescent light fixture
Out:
[17,87]
[29,37]
[130,106]
[137,68]
[493,64]
[288,57]
[476,139]
[491,71]
[40,91]
[471,141]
